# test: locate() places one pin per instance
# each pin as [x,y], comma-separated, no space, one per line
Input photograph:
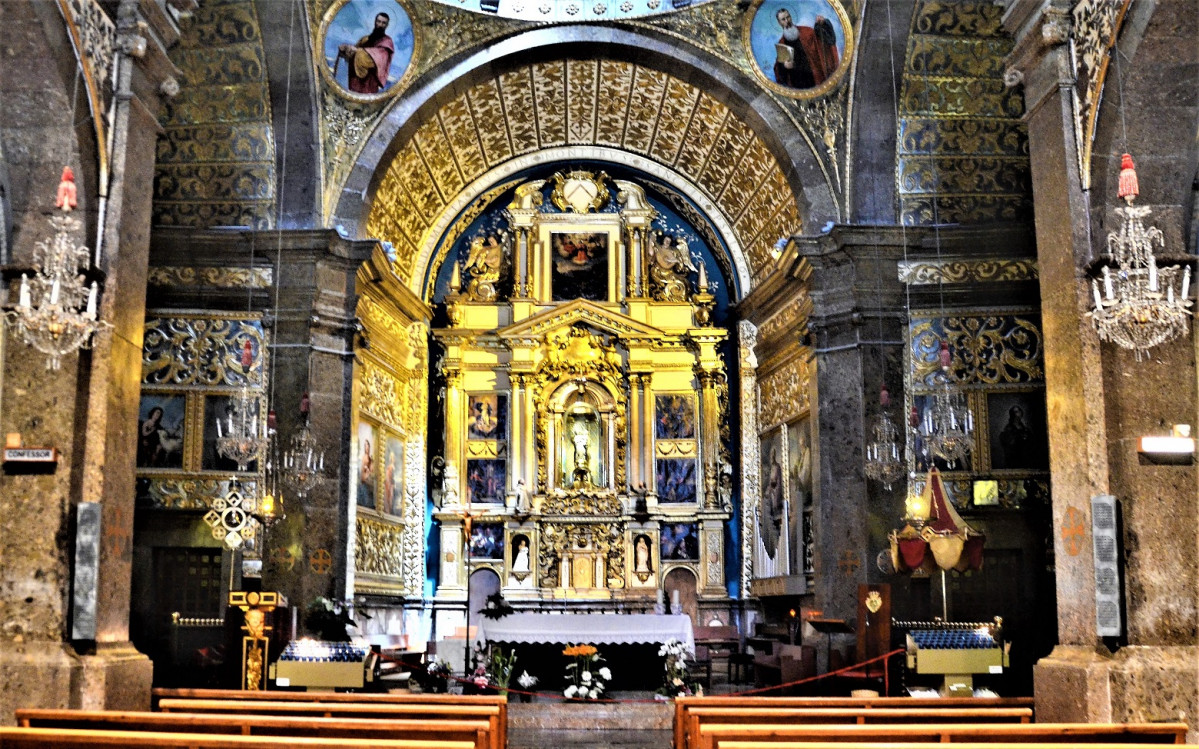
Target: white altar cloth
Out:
[588,628]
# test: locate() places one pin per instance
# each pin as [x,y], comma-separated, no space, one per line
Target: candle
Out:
[1107,283]
[659,595]
[674,597]
[25,300]
[456,277]
[1095,289]
[91,301]
[322,463]
[1186,282]
[703,277]
[218,429]
[54,289]
[1153,276]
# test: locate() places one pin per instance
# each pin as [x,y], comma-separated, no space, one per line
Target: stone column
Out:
[1100,399]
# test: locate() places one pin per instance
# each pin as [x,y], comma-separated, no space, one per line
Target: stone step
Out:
[590,725]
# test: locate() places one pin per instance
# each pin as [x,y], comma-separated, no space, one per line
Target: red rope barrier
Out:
[556,696]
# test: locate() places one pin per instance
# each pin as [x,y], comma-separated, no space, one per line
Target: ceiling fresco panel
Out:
[459,126]
[581,100]
[487,108]
[549,93]
[520,114]
[645,107]
[678,106]
[616,81]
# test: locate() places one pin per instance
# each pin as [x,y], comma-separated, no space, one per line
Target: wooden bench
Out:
[280,696]
[69,738]
[718,735]
[477,732]
[698,715]
[494,714]
[921,745]
[682,704]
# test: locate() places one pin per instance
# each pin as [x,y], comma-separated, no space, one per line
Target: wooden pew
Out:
[493,714]
[697,715]
[681,704]
[280,696]
[719,735]
[477,732]
[922,745]
[69,738]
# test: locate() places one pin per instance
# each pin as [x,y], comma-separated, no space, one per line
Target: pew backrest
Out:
[478,732]
[717,735]
[697,715]
[682,704]
[70,738]
[495,715]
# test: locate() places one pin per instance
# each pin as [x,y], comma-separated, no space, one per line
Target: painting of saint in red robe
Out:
[368,45]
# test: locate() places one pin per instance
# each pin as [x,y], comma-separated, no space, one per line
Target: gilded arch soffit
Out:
[575,104]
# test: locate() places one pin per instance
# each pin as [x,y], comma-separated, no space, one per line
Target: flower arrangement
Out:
[587,678]
[493,669]
[437,673]
[676,682]
[526,681]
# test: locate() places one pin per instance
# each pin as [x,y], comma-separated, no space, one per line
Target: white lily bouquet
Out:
[587,678]
[676,682]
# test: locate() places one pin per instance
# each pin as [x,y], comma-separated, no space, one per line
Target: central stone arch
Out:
[459,132]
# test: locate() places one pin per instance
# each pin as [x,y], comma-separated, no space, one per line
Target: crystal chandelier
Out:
[64,316]
[883,462]
[946,430]
[242,436]
[1141,305]
[303,462]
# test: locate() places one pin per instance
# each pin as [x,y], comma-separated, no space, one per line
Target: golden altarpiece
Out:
[583,413]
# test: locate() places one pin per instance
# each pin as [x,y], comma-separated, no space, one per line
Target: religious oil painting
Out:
[486,479]
[680,541]
[799,485]
[771,509]
[367,471]
[799,48]
[488,417]
[1018,432]
[674,417]
[675,480]
[160,431]
[219,408]
[487,541]
[368,45]
[580,266]
[391,498]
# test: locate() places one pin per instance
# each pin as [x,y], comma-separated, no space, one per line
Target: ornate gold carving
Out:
[579,191]
[826,119]
[790,318]
[216,160]
[714,149]
[785,393]
[189,493]
[379,548]
[202,350]
[669,262]
[382,394]
[986,350]
[1096,25]
[581,503]
[488,253]
[919,273]
[963,153]
[224,278]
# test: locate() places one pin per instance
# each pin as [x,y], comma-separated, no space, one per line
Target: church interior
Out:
[811,334]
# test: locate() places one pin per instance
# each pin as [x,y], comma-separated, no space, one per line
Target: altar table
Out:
[595,629]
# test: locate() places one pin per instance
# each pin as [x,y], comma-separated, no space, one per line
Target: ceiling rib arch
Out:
[620,106]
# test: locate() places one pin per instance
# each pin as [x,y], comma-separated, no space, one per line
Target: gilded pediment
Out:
[581,311]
